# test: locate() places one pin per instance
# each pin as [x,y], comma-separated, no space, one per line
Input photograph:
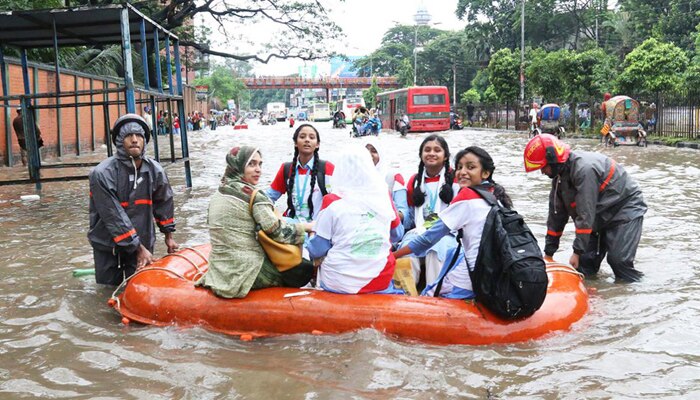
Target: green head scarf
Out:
[232,182]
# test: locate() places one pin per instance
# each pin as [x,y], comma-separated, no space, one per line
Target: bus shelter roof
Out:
[80,26]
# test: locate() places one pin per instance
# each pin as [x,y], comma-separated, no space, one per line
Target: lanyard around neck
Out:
[300,193]
[432,197]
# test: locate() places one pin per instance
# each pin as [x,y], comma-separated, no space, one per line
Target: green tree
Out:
[651,67]
[405,73]
[548,73]
[480,82]
[306,32]
[550,24]
[504,72]
[489,95]
[445,58]
[666,20]
[260,98]
[370,95]
[593,74]
[397,45]
[224,86]
[471,95]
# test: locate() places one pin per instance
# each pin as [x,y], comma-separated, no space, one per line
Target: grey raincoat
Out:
[597,193]
[125,204]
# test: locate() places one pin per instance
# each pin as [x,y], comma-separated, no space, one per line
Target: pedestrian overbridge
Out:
[291,82]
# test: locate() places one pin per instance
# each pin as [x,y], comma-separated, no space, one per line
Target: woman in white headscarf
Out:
[355,228]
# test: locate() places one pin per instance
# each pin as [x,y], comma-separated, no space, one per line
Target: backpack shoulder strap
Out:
[486,195]
[438,287]
[286,169]
[321,176]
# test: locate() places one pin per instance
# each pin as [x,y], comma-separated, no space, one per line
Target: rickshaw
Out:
[622,125]
[548,121]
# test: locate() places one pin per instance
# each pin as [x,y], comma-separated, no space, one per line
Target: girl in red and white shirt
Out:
[467,212]
[430,191]
[306,179]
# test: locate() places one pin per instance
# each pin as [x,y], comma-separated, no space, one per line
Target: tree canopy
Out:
[304,25]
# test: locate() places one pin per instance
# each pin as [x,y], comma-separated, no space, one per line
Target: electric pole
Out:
[522,53]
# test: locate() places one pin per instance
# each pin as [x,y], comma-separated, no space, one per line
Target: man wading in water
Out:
[128,192]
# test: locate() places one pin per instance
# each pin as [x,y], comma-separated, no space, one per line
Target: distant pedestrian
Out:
[18,125]
[148,117]
[533,117]
[176,125]
[470,113]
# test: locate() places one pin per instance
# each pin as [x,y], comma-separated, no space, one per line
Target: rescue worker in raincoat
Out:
[605,203]
[129,193]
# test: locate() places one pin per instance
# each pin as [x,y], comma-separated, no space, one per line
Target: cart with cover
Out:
[622,125]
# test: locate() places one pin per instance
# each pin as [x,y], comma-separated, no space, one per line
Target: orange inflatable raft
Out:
[164,294]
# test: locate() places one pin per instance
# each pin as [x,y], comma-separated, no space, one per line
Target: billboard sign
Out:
[201,92]
[342,67]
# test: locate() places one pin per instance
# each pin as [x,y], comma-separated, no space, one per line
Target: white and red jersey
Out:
[360,259]
[302,188]
[468,212]
[433,203]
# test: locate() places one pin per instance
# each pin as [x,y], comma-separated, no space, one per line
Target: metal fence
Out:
[678,115]
[673,115]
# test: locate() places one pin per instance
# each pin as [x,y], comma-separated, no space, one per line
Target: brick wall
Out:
[82,129]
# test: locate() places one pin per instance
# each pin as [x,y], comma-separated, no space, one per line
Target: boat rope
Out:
[121,286]
[199,253]
[564,268]
[199,271]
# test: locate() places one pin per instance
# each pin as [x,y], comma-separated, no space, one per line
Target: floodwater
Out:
[58,338]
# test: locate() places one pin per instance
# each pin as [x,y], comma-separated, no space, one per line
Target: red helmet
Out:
[544,149]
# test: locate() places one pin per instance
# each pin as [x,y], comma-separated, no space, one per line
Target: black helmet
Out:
[127,118]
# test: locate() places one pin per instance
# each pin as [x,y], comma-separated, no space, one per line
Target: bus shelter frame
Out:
[109,25]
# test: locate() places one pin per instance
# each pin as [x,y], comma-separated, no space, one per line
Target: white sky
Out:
[364,23]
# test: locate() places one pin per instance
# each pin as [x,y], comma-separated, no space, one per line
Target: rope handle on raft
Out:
[199,273]
[114,300]
[564,268]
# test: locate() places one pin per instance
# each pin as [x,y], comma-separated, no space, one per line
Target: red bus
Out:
[427,107]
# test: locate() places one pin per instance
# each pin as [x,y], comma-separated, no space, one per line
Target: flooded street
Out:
[59,339]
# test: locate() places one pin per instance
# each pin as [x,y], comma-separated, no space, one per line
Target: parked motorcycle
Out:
[456,123]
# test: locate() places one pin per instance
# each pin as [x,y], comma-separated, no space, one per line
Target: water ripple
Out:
[58,338]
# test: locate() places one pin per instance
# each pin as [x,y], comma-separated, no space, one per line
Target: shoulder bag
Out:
[283,256]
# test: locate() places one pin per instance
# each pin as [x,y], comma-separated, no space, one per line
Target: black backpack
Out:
[509,278]
[320,174]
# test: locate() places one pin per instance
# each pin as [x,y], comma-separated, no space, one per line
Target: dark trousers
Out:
[111,268]
[620,243]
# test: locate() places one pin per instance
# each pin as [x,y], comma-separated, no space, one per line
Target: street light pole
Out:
[422,17]
[415,57]
[454,83]
[522,53]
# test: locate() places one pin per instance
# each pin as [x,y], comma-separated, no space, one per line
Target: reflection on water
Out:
[59,339]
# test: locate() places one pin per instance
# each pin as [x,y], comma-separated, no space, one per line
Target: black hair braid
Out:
[290,185]
[500,193]
[314,172]
[446,191]
[418,196]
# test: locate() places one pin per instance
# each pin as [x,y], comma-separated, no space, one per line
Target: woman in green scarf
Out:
[237,263]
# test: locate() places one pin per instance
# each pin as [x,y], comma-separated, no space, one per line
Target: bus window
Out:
[428,99]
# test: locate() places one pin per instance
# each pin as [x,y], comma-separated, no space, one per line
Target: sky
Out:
[363,32]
